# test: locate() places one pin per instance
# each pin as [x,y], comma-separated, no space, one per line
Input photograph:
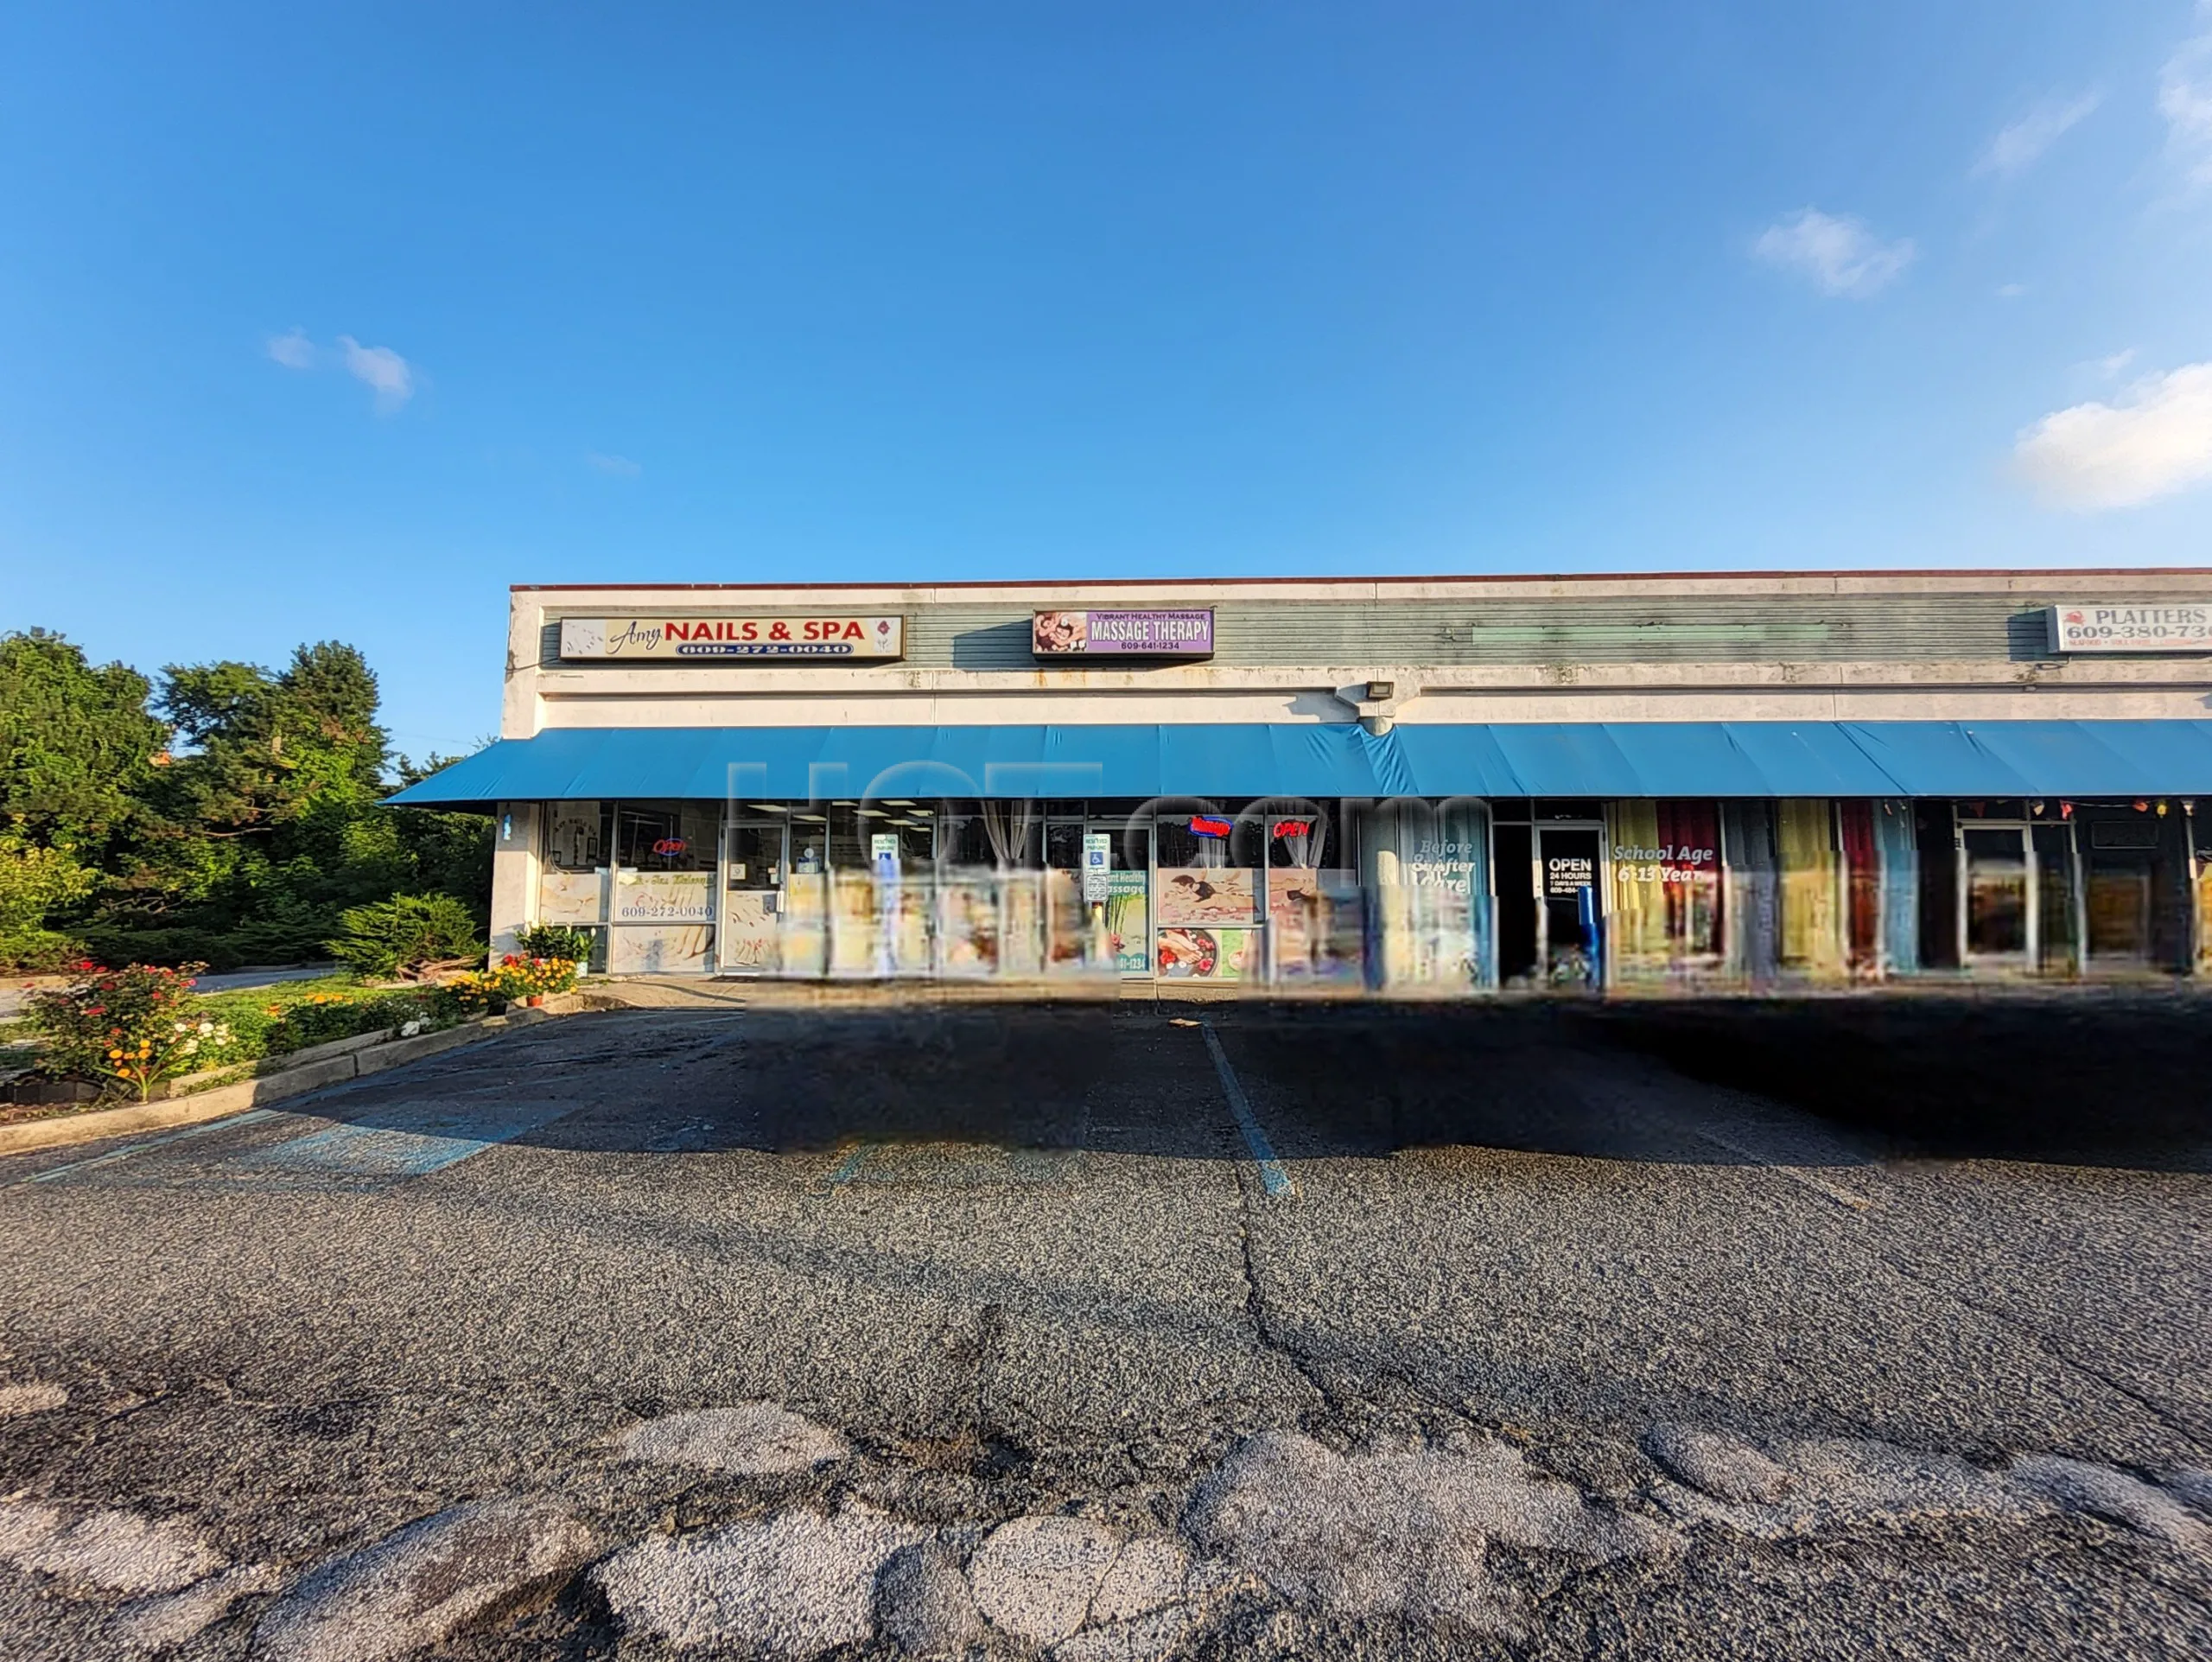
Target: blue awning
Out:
[1564,759]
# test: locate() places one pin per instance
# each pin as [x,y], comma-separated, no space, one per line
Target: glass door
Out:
[1997,914]
[754,863]
[1126,919]
[2058,900]
[1571,938]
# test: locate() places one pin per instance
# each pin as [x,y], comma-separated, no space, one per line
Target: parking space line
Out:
[400,1144]
[1273,1178]
[229,1122]
[1835,1192]
[849,1166]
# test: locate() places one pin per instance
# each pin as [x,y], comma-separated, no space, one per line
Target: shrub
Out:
[513,979]
[130,1028]
[35,882]
[406,935]
[555,940]
[39,952]
[167,945]
[317,1019]
[322,1016]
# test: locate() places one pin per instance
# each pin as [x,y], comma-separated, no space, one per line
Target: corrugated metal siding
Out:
[1767,628]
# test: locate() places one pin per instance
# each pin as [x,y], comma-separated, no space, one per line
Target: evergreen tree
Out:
[241,843]
[78,750]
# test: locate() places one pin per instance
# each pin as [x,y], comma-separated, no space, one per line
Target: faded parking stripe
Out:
[251,1117]
[1273,1178]
[398,1147]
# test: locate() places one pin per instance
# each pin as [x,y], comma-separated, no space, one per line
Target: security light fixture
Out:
[1378,691]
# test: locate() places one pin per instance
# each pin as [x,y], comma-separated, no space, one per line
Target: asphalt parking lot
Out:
[1103,1331]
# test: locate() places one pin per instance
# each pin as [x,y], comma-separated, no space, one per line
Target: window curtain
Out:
[1812,924]
[1305,851]
[1666,899]
[1862,887]
[1898,848]
[1008,824]
[1754,891]
[1429,870]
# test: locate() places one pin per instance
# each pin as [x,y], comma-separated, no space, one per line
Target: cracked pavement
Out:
[1554,1350]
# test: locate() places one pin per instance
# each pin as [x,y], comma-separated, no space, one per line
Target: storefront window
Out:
[572,879]
[1205,910]
[2122,853]
[1812,921]
[962,840]
[578,835]
[666,836]
[1666,872]
[662,900]
[2057,943]
[1996,862]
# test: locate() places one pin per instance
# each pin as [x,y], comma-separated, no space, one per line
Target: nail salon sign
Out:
[826,635]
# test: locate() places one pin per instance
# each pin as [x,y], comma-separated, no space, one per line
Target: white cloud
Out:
[2118,362]
[292,349]
[2185,100]
[2017,147]
[620,466]
[2155,440]
[2010,290]
[1836,250]
[382,370]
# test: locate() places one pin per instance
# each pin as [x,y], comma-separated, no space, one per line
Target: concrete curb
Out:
[226,1099]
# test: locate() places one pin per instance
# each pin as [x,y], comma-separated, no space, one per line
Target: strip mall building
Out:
[1420,785]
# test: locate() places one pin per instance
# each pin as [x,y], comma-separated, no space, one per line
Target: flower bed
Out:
[131,1031]
[127,1030]
[516,980]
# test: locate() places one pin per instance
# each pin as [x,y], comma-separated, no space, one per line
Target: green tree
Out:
[77,746]
[267,750]
[37,885]
[234,822]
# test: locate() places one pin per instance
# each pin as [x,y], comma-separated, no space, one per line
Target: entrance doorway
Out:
[1125,919]
[2019,903]
[1550,904]
[1569,915]
[755,862]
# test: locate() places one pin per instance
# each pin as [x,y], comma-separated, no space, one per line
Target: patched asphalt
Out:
[791,1332]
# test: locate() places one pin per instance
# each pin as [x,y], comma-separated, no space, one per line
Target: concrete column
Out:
[514,874]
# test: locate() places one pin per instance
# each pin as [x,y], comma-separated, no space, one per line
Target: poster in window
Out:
[1209,954]
[750,930]
[672,949]
[1207,894]
[570,897]
[663,897]
[1128,928]
[1298,913]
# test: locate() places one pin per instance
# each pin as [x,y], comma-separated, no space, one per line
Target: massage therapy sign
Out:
[840,635]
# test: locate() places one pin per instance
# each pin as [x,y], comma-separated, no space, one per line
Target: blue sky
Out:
[330,321]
